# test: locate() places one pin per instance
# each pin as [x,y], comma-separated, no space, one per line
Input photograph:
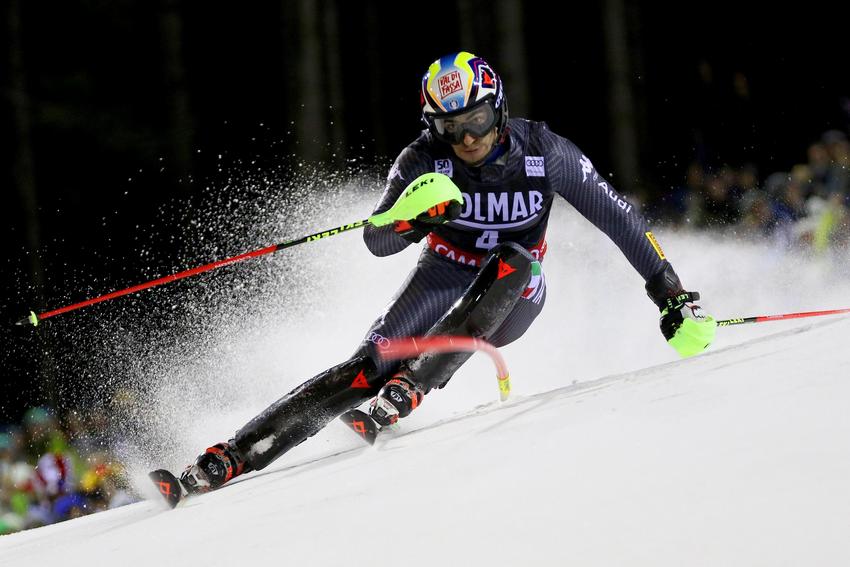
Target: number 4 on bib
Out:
[488,239]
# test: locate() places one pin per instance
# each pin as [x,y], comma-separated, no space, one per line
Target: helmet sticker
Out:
[486,77]
[450,84]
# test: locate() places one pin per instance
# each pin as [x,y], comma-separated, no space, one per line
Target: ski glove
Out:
[414,230]
[684,324]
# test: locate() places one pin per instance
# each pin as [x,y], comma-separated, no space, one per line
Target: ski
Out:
[168,485]
[363,425]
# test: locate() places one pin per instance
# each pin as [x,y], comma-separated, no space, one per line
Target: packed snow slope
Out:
[611,451]
[737,457]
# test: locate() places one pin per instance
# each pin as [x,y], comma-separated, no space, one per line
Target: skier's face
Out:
[473,151]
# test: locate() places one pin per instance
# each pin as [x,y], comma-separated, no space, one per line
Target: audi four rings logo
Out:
[382,342]
[535,166]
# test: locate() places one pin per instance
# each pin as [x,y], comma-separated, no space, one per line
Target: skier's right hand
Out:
[416,229]
[441,213]
[412,230]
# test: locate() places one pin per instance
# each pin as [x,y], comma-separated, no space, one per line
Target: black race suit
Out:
[507,200]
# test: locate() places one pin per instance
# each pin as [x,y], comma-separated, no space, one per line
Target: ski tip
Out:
[361,424]
[168,486]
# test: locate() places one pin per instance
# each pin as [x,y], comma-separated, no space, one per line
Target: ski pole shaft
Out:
[423,193]
[34,318]
[766,318]
[414,346]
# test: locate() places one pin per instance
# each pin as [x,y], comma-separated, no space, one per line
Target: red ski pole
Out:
[766,318]
[34,318]
[426,192]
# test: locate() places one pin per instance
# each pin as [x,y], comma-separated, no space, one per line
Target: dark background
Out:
[114,109]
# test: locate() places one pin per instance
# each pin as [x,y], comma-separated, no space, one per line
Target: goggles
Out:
[477,122]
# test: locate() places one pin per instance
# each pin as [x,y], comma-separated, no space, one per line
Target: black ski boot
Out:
[214,467]
[397,399]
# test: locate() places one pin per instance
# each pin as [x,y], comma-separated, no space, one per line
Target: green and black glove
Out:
[684,324]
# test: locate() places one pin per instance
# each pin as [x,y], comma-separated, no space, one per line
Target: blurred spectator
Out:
[104,484]
[747,180]
[808,206]
[824,226]
[15,478]
[720,207]
[43,435]
[757,214]
[682,205]
[838,148]
[50,473]
[12,507]
[819,163]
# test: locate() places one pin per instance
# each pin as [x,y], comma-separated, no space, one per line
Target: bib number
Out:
[488,239]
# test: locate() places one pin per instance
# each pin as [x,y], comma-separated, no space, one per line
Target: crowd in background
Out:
[809,205]
[54,469]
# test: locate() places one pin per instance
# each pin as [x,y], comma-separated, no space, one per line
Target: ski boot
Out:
[397,399]
[214,467]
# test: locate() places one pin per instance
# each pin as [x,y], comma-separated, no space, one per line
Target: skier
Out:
[479,273]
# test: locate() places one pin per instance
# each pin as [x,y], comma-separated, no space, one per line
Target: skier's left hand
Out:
[684,324]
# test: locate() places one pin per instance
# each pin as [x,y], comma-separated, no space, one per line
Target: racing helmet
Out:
[461,93]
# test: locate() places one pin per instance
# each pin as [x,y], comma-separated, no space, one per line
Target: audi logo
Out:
[382,342]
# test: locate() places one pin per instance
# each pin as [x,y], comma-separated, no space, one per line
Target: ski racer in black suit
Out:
[479,273]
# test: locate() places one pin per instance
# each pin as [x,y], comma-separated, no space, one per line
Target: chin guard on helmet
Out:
[462,94]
